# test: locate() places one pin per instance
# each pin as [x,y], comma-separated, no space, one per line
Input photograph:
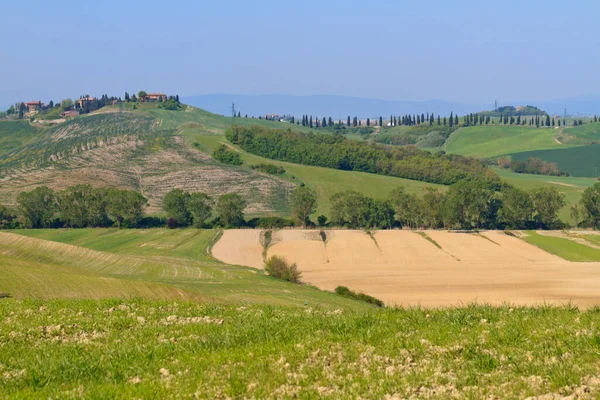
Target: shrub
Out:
[278,267]
[322,220]
[270,222]
[171,223]
[344,291]
[225,155]
[268,168]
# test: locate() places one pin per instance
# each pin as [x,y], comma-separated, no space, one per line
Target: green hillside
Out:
[154,150]
[581,161]
[150,264]
[493,141]
[325,181]
[584,134]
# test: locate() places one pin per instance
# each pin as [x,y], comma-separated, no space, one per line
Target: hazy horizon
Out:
[465,52]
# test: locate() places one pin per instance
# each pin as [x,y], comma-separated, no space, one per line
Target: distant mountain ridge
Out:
[323,105]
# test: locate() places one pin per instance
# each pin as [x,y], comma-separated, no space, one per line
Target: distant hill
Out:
[513,111]
[323,105]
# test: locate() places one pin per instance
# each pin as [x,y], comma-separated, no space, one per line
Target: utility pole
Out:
[233,113]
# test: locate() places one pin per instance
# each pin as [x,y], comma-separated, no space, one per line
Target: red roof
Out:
[31,103]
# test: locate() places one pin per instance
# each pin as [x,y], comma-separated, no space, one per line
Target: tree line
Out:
[468,204]
[335,151]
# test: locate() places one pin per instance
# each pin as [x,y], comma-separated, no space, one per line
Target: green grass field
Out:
[588,132]
[581,161]
[160,349]
[492,141]
[563,247]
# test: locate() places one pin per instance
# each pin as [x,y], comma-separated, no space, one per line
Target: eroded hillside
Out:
[141,150]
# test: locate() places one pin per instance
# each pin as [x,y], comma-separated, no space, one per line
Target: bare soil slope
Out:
[406,268]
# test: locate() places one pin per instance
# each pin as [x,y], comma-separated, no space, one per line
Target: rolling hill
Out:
[154,151]
[497,140]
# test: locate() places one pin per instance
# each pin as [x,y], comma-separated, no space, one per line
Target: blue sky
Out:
[466,51]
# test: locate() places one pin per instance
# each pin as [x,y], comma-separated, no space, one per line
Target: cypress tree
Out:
[348,121]
[380,121]
[451,120]
[368,122]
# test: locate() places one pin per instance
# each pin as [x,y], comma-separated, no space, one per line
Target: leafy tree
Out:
[407,207]
[590,207]
[517,208]
[199,205]
[304,203]
[142,95]
[8,218]
[547,202]
[346,208]
[230,208]
[83,206]
[126,207]
[175,205]
[471,205]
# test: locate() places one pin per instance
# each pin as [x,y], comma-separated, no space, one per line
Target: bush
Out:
[171,223]
[270,222]
[278,267]
[344,291]
[322,220]
[225,155]
[268,168]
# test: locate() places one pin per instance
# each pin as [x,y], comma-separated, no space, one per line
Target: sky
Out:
[464,51]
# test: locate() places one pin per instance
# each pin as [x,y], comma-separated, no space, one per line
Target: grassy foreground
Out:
[143,349]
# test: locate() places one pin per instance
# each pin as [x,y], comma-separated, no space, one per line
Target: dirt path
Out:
[403,268]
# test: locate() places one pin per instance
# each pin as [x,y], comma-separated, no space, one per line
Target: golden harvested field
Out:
[430,268]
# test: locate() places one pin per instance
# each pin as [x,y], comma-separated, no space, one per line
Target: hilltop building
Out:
[85,100]
[156,97]
[272,117]
[33,105]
